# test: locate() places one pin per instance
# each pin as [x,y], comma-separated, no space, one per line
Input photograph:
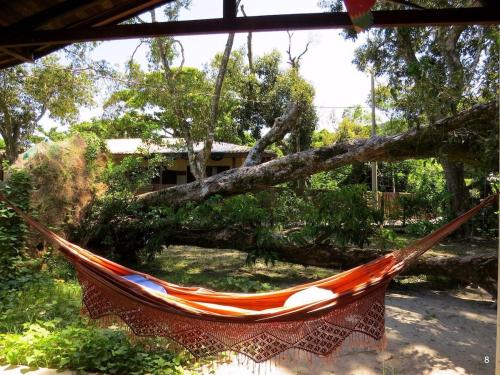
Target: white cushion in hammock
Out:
[307,296]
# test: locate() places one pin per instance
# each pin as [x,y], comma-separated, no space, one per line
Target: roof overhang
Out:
[36,33]
[26,17]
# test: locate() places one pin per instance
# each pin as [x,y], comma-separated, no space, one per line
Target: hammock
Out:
[259,326]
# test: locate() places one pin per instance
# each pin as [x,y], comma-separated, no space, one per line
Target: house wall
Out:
[182,164]
[181,167]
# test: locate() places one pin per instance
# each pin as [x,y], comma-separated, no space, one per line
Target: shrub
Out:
[40,326]
[78,347]
[64,176]
[421,228]
[342,216]
[126,229]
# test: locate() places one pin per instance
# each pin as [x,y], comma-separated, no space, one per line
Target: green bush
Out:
[40,326]
[427,184]
[78,347]
[126,177]
[421,228]
[126,230]
[341,216]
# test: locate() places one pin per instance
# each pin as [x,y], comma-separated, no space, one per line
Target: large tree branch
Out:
[479,269]
[447,41]
[452,137]
[281,126]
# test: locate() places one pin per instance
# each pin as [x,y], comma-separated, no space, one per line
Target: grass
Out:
[227,270]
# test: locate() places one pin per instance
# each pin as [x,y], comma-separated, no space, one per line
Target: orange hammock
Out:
[259,326]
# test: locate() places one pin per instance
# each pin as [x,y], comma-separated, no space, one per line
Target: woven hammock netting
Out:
[257,326]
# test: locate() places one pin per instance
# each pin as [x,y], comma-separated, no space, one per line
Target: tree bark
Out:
[453,137]
[478,270]
[455,184]
[282,125]
[11,148]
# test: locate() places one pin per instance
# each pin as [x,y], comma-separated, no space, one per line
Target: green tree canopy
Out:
[432,73]
[28,92]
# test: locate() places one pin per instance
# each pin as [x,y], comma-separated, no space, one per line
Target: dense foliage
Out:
[41,326]
[12,229]
[125,229]
[29,92]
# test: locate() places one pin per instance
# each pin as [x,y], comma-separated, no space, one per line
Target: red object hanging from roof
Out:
[360,13]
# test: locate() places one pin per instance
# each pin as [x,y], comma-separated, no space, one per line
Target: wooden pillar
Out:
[497,354]
[229,9]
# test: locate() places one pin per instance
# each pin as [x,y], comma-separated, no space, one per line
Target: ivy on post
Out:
[12,229]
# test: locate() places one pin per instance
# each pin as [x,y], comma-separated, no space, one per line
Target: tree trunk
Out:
[452,137]
[280,128]
[478,270]
[11,150]
[459,199]
[455,184]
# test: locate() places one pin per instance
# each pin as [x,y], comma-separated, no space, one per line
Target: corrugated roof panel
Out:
[128,146]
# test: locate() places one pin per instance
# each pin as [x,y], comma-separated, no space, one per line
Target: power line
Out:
[132,83]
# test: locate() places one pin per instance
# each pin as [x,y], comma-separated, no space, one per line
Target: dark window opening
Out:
[169,177]
[190,177]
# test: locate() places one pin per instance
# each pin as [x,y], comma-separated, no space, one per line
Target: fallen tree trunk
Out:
[457,138]
[479,270]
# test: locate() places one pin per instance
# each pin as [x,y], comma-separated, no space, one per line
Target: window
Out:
[169,177]
[190,177]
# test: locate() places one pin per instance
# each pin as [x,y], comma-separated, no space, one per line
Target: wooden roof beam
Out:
[308,21]
[46,15]
[19,54]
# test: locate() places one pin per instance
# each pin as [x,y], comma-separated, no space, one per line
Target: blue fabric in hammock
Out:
[141,280]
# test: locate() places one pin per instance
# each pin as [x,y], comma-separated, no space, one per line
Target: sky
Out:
[327,65]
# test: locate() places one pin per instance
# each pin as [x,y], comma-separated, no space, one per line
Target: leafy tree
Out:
[131,124]
[186,100]
[265,91]
[355,124]
[433,72]
[322,138]
[28,92]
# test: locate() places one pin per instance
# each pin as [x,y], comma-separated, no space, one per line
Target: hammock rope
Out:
[257,326]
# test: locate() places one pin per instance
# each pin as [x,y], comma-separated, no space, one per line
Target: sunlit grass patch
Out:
[227,270]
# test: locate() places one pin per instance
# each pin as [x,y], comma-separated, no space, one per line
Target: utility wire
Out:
[133,83]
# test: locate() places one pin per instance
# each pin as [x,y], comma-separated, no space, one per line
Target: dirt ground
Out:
[428,332]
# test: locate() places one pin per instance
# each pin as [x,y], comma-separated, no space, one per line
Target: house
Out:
[224,156]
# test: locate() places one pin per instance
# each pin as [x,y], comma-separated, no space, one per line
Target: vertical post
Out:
[374,132]
[229,9]
[497,355]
